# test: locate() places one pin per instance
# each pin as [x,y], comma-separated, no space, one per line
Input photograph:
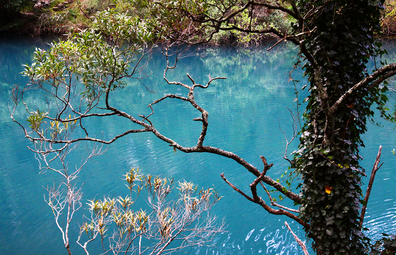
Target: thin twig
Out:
[275,204]
[301,243]
[370,185]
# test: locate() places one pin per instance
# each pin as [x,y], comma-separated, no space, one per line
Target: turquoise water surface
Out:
[249,111]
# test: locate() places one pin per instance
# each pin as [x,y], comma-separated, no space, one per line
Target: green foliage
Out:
[388,23]
[123,28]
[165,219]
[89,58]
[36,119]
[95,5]
[54,22]
[172,19]
[57,127]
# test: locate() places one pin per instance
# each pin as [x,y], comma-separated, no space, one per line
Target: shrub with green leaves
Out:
[169,223]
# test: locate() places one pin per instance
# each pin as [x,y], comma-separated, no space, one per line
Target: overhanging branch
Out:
[370,81]
[258,200]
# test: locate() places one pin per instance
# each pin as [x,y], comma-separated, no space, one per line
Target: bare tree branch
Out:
[258,200]
[301,243]
[370,185]
[370,81]
[66,196]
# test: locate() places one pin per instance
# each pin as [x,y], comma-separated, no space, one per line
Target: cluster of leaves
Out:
[36,119]
[88,57]
[123,28]
[169,16]
[72,17]
[54,22]
[117,211]
[57,127]
[254,18]
[328,155]
[388,23]
[61,62]
[137,230]
[181,20]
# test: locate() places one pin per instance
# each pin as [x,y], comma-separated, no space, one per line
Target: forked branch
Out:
[258,200]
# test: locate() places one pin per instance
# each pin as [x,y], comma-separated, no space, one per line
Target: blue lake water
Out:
[248,112]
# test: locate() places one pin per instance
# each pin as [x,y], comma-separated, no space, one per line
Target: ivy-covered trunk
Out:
[337,51]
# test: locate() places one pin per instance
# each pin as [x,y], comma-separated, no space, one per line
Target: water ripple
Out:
[249,234]
[278,242]
[259,235]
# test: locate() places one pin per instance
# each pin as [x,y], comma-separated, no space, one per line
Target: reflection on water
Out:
[247,111]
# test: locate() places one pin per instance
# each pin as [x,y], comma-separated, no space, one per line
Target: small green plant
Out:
[165,221]
[36,119]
